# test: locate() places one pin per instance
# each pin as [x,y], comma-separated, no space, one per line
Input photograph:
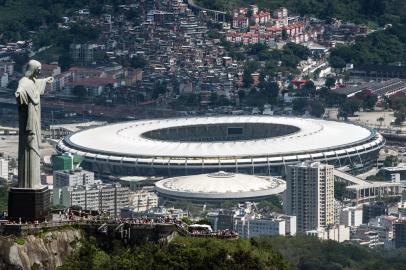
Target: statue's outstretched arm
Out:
[41,83]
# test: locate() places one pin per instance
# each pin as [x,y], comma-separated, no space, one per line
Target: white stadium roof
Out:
[220,186]
[127,139]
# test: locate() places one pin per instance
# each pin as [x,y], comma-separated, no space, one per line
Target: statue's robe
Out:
[29,113]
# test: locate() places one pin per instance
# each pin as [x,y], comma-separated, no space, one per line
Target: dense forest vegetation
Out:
[303,252]
[299,252]
[182,253]
[19,17]
[359,11]
[381,47]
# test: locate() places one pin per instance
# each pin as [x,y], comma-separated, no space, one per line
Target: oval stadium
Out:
[219,187]
[239,144]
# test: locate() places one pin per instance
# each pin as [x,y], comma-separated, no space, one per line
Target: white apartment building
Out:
[113,198]
[351,216]
[73,178]
[310,195]
[366,236]
[339,233]
[106,198]
[143,200]
[384,225]
[88,199]
[252,226]
[3,169]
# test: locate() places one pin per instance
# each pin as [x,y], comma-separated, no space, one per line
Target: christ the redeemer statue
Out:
[29,112]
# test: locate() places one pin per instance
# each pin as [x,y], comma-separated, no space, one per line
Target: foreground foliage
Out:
[299,252]
[182,253]
[310,253]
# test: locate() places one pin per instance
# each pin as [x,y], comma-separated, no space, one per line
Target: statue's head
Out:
[33,69]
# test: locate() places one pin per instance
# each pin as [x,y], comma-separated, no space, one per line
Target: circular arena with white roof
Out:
[250,144]
[219,186]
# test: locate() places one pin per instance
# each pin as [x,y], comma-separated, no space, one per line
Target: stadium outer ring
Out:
[361,152]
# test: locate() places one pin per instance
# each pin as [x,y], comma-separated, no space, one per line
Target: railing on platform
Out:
[102,226]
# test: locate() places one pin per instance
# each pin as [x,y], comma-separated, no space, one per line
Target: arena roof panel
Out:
[220,186]
[314,136]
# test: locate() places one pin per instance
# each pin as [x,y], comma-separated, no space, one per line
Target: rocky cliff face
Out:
[42,252]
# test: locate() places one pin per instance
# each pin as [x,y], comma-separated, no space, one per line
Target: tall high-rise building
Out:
[310,195]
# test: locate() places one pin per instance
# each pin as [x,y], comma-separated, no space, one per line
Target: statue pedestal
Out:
[29,204]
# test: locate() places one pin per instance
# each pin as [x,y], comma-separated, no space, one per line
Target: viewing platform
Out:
[130,231]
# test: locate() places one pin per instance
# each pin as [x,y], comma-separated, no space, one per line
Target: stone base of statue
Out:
[29,204]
